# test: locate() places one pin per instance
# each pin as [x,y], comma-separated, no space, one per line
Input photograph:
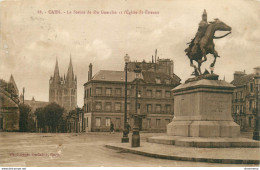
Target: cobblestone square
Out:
[77,150]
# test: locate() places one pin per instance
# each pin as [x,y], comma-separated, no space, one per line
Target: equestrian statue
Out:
[203,44]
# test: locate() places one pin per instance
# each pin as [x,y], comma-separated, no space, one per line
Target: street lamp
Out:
[125,138]
[257,124]
[136,135]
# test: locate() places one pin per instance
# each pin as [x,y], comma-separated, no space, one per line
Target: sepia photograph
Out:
[129,83]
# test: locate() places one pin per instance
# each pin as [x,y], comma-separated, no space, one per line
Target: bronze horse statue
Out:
[206,45]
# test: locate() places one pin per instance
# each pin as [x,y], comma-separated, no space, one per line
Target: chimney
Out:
[257,70]
[239,74]
[90,72]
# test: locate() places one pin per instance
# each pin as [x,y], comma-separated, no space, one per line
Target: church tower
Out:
[70,89]
[63,90]
[55,86]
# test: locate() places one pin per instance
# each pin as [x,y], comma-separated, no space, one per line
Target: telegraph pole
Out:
[23,94]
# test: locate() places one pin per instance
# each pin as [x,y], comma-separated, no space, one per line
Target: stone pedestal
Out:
[203,109]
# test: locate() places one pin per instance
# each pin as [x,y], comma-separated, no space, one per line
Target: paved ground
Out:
[214,155]
[40,150]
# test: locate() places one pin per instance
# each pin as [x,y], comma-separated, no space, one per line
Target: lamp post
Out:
[136,135]
[257,125]
[125,138]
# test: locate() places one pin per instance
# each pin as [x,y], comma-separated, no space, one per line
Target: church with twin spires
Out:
[63,89]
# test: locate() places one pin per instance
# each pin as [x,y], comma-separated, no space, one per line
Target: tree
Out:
[24,115]
[39,112]
[53,115]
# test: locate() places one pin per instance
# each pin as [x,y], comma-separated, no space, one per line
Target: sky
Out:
[31,40]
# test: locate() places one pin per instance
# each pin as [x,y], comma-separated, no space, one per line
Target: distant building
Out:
[63,90]
[33,103]
[9,110]
[245,97]
[75,121]
[105,93]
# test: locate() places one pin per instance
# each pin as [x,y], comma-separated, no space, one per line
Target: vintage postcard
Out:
[128,83]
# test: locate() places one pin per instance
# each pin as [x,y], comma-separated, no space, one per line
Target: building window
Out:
[86,121]
[149,93]
[249,121]
[167,81]
[98,121]
[158,93]
[108,106]
[167,94]
[128,106]
[118,107]
[158,108]
[65,91]
[108,91]
[157,80]
[149,108]
[250,105]
[139,93]
[108,120]
[90,92]
[251,87]
[168,108]
[158,123]
[72,91]
[138,108]
[118,122]
[128,92]
[118,92]
[85,94]
[148,123]
[98,105]
[98,91]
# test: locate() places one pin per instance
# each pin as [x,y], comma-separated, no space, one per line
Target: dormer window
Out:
[167,81]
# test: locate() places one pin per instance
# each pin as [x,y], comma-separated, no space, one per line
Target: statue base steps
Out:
[202,142]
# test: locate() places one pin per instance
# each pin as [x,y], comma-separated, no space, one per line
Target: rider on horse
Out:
[194,44]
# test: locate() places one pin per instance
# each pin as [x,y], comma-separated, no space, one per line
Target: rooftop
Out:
[147,76]
[243,80]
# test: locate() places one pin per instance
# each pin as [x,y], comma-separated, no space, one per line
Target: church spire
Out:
[11,80]
[70,74]
[56,71]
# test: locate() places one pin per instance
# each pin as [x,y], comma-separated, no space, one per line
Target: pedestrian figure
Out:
[112,127]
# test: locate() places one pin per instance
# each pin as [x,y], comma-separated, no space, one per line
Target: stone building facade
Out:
[63,89]
[104,97]
[9,105]
[245,98]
